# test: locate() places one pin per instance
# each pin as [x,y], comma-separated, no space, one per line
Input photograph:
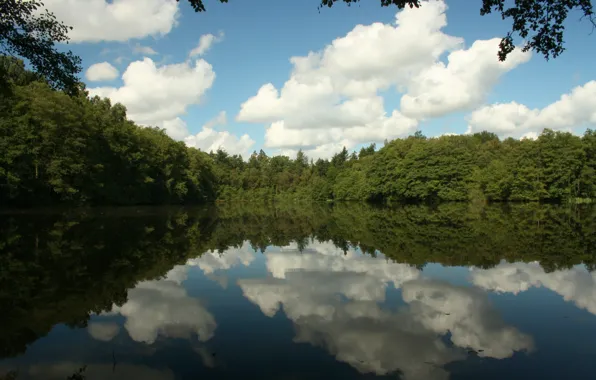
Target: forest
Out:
[106,251]
[60,148]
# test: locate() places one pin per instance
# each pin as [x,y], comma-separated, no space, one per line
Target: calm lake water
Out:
[457,291]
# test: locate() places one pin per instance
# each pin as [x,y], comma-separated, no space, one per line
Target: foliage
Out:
[539,22]
[56,148]
[558,166]
[27,32]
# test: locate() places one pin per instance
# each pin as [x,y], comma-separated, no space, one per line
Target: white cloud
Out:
[326,256]
[220,119]
[576,285]
[575,109]
[103,331]
[176,128]
[158,95]
[208,139]
[146,50]
[320,151]
[325,142]
[358,277]
[119,60]
[466,313]
[529,136]
[461,84]
[333,300]
[332,96]
[212,261]
[162,307]
[358,333]
[205,43]
[116,20]
[277,135]
[101,71]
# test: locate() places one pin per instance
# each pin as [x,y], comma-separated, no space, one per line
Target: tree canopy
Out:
[56,148]
[60,148]
[539,22]
[30,33]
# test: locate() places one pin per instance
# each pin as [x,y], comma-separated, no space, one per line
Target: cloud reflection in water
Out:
[333,300]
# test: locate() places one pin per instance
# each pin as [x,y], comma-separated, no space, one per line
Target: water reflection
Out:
[163,308]
[348,292]
[357,330]
[103,331]
[576,285]
[63,370]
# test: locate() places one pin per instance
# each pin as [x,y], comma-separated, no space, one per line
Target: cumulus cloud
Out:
[466,313]
[358,333]
[116,20]
[461,84]
[575,285]
[145,50]
[358,277]
[103,331]
[575,109]
[157,95]
[333,300]
[101,71]
[208,139]
[220,119]
[212,261]
[206,41]
[323,142]
[332,96]
[320,151]
[175,128]
[163,308]
[326,256]
[120,59]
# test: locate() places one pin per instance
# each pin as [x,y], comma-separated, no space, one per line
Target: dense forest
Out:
[60,148]
[59,267]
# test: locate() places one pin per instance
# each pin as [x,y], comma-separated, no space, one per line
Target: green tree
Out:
[30,33]
[57,148]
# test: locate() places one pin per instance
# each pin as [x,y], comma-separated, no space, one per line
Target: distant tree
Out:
[419,135]
[539,22]
[368,151]
[30,33]
[339,159]
[301,160]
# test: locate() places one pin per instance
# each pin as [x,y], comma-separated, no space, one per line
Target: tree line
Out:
[557,166]
[56,148]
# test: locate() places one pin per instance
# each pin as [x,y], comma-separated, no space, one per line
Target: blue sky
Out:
[259,38]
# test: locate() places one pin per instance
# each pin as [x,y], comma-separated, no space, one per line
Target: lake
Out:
[346,291]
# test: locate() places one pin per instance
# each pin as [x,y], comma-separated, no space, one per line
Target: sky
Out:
[282,75]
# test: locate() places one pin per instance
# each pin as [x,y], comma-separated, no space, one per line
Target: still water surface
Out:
[299,292]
